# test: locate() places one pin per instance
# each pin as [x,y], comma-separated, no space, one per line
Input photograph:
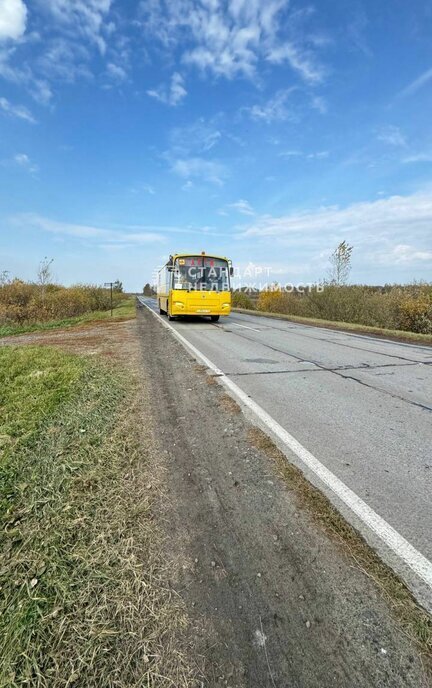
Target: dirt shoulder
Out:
[279,602]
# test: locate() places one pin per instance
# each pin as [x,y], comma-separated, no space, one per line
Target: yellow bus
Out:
[195,284]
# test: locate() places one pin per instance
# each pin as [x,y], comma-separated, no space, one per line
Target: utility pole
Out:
[110,285]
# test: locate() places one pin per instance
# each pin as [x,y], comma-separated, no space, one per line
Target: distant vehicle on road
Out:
[195,284]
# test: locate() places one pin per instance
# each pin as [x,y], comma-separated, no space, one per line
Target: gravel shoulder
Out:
[274,600]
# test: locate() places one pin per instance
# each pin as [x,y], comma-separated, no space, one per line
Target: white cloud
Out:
[319,103]
[390,216]
[404,253]
[64,60]
[186,153]
[85,232]
[314,155]
[286,104]
[199,168]
[242,206]
[356,33]
[146,188]
[41,91]
[177,90]
[418,83]
[13,19]
[392,135]
[384,231]
[230,39]
[116,72]
[83,17]
[318,155]
[24,75]
[418,157]
[274,109]
[300,60]
[171,95]
[194,139]
[291,154]
[18,111]
[68,33]
[23,160]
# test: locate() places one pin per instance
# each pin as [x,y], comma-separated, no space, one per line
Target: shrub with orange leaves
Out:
[23,302]
[416,314]
[273,300]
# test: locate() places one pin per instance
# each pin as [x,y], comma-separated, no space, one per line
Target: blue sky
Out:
[267,131]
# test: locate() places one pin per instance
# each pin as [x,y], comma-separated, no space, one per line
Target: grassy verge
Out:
[124,311]
[83,597]
[397,335]
[415,621]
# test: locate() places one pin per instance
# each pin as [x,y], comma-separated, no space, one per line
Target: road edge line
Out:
[390,537]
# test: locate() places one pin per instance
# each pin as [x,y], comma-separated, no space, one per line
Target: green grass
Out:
[124,310]
[33,382]
[84,601]
[398,335]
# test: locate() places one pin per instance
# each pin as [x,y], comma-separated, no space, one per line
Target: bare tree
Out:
[4,277]
[44,275]
[340,264]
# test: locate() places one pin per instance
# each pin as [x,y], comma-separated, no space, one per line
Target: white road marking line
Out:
[299,325]
[421,566]
[246,327]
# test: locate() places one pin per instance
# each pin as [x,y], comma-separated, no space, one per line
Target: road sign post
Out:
[110,285]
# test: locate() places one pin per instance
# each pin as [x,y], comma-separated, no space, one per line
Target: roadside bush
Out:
[241,300]
[25,302]
[274,301]
[395,307]
[416,313]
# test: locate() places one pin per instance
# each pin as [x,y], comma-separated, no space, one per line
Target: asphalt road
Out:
[275,599]
[361,406]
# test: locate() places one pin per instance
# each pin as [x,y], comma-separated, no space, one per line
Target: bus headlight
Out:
[179,304]
[226,305]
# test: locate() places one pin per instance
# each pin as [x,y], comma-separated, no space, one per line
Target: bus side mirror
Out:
[231,271]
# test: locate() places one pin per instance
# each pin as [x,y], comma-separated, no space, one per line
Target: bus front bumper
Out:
[200,303]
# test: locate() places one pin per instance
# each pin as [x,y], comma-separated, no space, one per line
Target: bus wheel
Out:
[214,318]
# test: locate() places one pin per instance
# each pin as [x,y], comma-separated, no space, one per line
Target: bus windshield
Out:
[201,273]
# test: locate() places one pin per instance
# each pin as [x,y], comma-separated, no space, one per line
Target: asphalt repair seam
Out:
[339,372]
